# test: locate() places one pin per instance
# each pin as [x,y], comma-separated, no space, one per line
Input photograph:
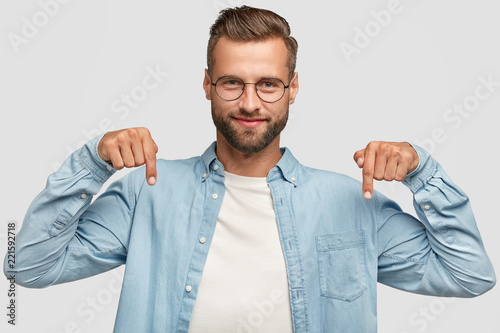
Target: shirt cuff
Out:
[425,170]
[89,155]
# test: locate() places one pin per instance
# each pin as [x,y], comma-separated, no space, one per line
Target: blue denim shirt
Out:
[336,244]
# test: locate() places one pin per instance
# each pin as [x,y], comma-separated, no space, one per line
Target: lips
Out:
[250,122]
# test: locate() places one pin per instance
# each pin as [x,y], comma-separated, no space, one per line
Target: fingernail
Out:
[152,181]
[368,195]
[360,160]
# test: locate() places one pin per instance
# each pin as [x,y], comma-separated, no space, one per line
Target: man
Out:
[244,238]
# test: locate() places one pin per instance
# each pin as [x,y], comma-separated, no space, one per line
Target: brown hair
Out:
[251,24]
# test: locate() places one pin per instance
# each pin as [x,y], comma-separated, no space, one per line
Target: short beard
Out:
[249,142]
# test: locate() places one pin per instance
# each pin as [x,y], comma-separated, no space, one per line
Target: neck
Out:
[248,164]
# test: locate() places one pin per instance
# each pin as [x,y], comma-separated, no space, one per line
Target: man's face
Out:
[249,124]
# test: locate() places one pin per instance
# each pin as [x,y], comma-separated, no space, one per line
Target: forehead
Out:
[251,60]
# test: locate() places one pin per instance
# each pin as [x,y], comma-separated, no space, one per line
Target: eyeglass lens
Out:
[231,88]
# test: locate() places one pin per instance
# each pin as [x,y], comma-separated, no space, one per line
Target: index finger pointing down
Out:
[368,170]
[150,158]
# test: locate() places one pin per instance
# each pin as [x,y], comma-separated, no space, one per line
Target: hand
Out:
[385,161]
[129,148]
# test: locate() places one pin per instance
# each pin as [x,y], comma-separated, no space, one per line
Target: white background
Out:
[59,85]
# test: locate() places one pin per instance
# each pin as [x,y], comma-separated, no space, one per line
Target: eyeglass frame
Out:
[245,84]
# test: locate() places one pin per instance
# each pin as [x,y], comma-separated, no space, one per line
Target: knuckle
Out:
[399,178]
[144,131]
[106,145]
[372,144]
[400,175]
[150,156]
[378,176]
[407,156]
[399,154]
[367,171]
[129,164]
[121,137]
[388,178]
[384,145]
[132,133]
[118,165]
[139,160]
[387,148]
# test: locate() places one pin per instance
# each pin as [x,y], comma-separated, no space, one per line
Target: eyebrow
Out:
[258,79]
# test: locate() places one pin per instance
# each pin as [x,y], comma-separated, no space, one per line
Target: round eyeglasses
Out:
[230,88]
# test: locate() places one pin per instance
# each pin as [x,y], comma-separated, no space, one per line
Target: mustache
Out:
[247,115]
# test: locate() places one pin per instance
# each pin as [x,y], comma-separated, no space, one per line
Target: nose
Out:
[249,100]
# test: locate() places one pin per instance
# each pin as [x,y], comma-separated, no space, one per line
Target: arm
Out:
[440,253]
[63,236]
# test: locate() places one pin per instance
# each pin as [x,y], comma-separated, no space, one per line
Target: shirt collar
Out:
[285,168]
[209,156]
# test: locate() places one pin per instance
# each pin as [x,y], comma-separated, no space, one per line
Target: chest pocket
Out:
[341,265]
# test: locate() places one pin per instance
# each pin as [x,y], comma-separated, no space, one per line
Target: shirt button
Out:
[109,168]
[214,196]
[204,175]
[293,179]
[202,240]
[427,207]
[216,167]
[188,288]
[83,195]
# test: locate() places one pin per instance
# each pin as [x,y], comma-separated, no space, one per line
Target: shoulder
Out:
[313,175]
[164,165]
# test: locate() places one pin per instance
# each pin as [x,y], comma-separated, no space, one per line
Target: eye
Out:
[230,83]
[269,85]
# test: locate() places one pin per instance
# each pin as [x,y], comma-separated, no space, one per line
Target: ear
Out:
[294,88]
[207,85]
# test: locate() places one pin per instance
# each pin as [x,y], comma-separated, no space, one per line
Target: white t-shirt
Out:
[244,286]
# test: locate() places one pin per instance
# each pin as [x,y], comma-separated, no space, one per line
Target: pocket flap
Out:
[339,240]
